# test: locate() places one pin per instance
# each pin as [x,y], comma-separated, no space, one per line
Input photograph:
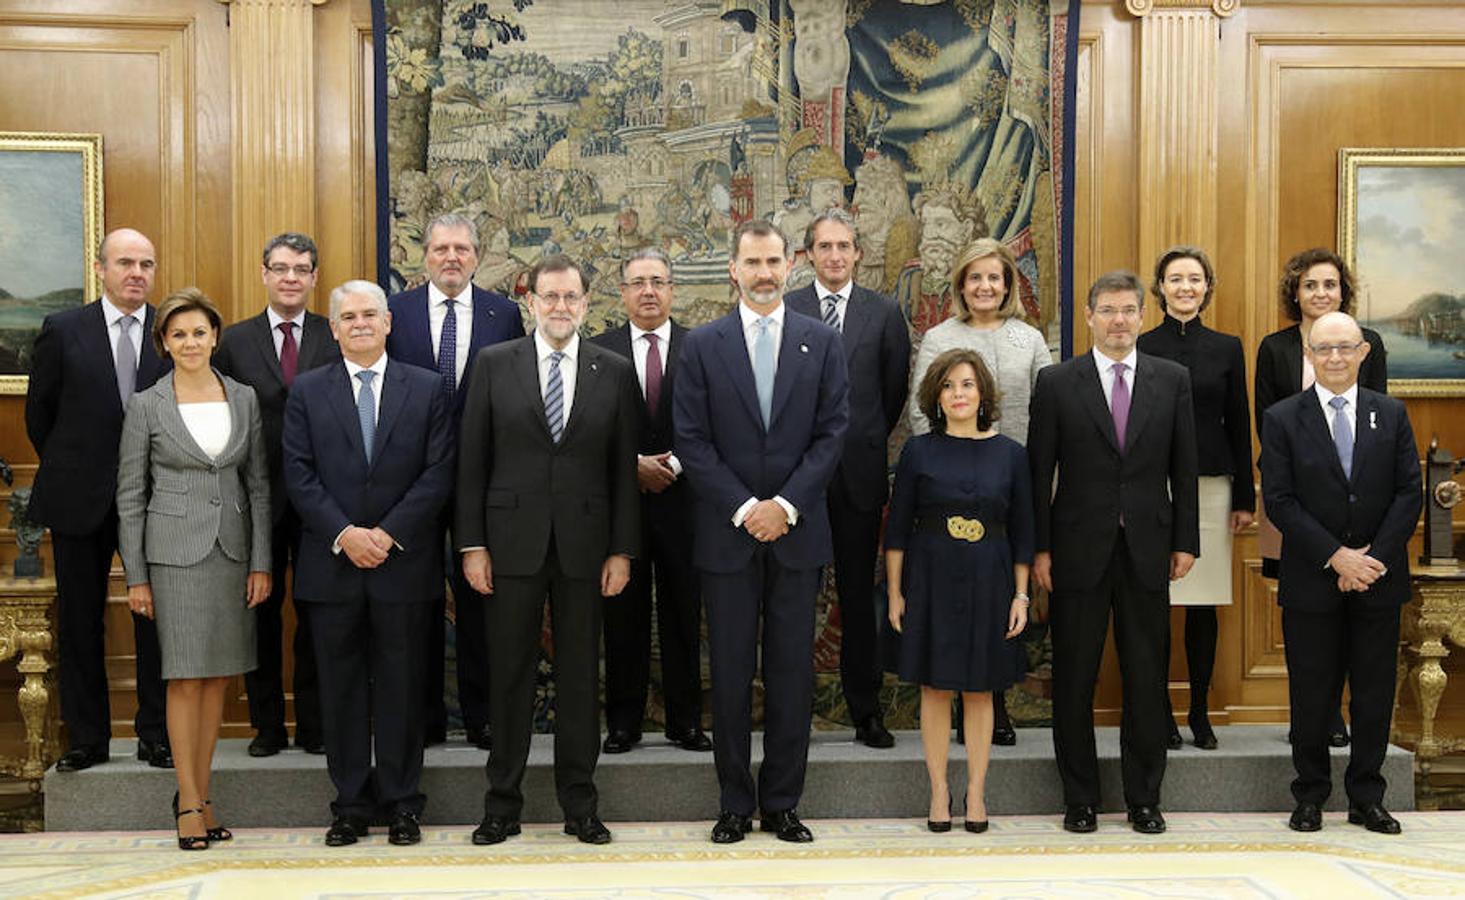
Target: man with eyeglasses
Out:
[1340,478]
[266,352]
[441,326]
[548,505]
[1116,430]
[652,340]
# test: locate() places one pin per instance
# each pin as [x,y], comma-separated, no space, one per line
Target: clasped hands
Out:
[478,572]
[767,521]
[367,548]
[654,473]
[1357,571]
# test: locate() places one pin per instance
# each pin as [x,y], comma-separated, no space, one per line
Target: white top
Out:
[1350,406]
[380,368]
[113,315]
[1014,351]
[278,335]
[209,423]
[437,313]
[542,351]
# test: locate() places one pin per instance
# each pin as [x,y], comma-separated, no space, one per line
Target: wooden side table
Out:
[25,633]
[1434,615]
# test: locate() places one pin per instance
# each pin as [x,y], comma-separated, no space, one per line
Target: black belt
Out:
[969,529]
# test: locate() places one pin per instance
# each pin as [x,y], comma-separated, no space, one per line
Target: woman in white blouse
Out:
[987,307]
[193,502]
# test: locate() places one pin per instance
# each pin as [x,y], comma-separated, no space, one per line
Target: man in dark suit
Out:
[441,326]
[761,412]
[86,364]
[653,341]
[877,349]
[369,466]
[547,504]
[1340,477]
[1118,428]
[266,352]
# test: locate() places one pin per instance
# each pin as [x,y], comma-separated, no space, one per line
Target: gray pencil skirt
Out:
[204,627]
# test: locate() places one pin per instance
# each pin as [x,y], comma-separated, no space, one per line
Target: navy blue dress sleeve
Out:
[903,497]
[1020,508]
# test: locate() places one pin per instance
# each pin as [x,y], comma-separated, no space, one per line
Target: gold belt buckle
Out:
[964,529]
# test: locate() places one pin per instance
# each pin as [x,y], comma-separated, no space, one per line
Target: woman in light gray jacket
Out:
[986,305]
[193,507]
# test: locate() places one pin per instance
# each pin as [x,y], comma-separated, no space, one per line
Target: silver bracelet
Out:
[1021,596]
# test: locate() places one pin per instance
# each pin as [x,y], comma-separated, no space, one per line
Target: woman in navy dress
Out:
[958,545]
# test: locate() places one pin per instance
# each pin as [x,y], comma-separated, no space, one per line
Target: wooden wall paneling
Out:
[345,150]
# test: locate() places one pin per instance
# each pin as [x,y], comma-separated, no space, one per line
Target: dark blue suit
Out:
[1330,634]
[495,318]
[368,623]
[729,457]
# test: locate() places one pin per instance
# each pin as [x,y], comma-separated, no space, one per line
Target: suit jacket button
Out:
[1352,498]
[214,500]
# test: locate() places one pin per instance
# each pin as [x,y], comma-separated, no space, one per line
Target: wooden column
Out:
[1178,114]
[272,82]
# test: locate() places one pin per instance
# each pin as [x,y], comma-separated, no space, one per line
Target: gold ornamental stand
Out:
[25,633]
[1434,615]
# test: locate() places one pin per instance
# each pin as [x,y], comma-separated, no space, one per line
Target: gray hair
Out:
[359,288]
[291,240]
[839,217]
[652,253]
[1115,282]
[451,220]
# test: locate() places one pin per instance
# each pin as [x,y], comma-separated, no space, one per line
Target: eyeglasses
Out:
[552,300]
[280,270]
[1343,350]
[640,284]
[1110,312]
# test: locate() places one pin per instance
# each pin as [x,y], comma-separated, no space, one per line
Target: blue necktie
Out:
[447,348]
[554,398]
[831,311]
[366,411]
[1342,434]
[764,367]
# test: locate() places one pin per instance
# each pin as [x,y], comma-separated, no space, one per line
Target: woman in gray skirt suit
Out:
[193,513]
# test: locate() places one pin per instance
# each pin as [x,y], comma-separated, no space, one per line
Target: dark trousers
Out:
[784,599]
[1080,621]
[266,684]
[856,535]
[370,665]
[515,615]
[679,627]
[1359,643]
[434,662]
[1201,629]
[83,563]
[472,640]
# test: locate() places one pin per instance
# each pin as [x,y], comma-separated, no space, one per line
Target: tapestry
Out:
[599,128]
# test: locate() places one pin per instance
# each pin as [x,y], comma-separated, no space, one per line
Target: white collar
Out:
[749,316]
[542,348]
[1325,396]
[379,367]
[1105,363]
[436,296]
[662,332]
[276,319]
[112,313]
[823,293]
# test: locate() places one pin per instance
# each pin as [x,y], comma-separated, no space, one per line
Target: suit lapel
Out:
[526,368]
[733,349]
[1365,432]
[316,341]
[1092,391]
[419,330]
[587,387]
[393,399]
[263,340]
[149,364]
[171,419]
[1292,359]
[856,317]
[793,351]
[238,423]
[342,399]
[1141,394]
[97,339]
[1315,425]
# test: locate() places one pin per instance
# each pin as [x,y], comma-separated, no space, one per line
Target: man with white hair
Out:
[369,465]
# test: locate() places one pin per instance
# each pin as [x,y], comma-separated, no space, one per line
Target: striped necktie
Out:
[831,311]
[554,398]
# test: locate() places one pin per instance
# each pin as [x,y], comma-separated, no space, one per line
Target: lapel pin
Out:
[803,348]
[1373,419]
[595,367]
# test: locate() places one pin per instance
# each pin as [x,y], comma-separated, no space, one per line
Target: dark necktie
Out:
[126,360]
[1119,403]
[1342,434]
[366,411]
[554,398]
[653,373]
[831,311]
[289,353]
[447,348]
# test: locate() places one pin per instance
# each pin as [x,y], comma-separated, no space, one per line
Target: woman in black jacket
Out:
[1185,283]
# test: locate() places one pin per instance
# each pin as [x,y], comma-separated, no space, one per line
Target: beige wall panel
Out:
[345,146]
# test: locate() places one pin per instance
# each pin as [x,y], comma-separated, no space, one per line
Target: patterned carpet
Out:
[1202,856]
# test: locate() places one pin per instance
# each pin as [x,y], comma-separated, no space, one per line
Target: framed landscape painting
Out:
[50,223]
[1401,227]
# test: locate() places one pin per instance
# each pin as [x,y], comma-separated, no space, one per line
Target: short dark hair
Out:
[556,262]
[291,240]
[839,217]
[1184,251]
[189,299]
[1297,267]
[757,228]
[1113,282]
[928,395]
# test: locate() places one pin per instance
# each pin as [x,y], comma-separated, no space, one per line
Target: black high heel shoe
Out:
[218,832]
[942,827]
[189,841]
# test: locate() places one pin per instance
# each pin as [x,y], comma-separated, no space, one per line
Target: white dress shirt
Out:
[542,350]
[276,320]
[1106,374]
[1350,407]
[841,305]
[113,315]
[437,312]
[380,368]
[750,336]
[640,350]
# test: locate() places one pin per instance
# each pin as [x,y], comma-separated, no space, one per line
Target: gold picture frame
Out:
[1401,224]
[51,203]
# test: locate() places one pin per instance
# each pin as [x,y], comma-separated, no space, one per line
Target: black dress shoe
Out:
[1173,741]
[312,744]
[1200,729]
[1146,819]
[78,758]
[785,826]
[731,827]
[1004,736]
[589,829]
[480,737]
[1374,817]
[1338,737]
[693,739]
[434,737]
[266,744]
[159,755]
[619,741]
[495,830]
[405,830]
[975,826]
[1306,817]
[1081,819]
[872,733]
[346,830]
